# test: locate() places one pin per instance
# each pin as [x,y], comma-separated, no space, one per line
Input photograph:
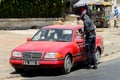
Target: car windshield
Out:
[61,35]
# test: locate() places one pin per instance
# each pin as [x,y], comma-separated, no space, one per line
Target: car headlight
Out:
[53,55]
[16,54]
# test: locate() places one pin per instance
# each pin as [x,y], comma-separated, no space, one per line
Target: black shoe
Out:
[89,67]
[95,67]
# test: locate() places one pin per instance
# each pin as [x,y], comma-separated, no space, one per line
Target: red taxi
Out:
[55,46]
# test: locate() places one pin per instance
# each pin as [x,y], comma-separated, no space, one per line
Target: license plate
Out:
[31,63]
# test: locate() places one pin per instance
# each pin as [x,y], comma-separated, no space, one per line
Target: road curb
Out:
[112,55]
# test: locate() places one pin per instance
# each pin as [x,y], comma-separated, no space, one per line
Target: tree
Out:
[31,8]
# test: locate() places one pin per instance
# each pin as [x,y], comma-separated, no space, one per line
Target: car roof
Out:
[64,26]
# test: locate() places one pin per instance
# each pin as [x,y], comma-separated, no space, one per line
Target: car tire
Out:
[97,56]
[19,70]
[67,64]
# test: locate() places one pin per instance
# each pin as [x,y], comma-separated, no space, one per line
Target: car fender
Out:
[99,43]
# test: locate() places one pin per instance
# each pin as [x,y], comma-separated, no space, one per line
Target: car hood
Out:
[42,46]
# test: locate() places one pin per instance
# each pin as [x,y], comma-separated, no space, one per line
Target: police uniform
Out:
[90,37]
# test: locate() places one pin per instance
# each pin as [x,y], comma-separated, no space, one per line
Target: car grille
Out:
[32,55]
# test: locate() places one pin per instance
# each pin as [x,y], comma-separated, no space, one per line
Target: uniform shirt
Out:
[89,26]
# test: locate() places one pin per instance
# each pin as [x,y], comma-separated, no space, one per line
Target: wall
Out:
[27,23]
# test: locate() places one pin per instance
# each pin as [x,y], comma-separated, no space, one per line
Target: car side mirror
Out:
[29,39]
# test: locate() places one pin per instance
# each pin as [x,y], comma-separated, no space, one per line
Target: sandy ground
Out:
[11,39]
[8,41]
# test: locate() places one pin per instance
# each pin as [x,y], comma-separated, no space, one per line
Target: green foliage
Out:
[31,8]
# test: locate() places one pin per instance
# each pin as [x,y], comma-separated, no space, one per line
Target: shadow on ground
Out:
[47,72]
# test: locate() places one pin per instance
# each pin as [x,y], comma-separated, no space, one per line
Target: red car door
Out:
[81,44]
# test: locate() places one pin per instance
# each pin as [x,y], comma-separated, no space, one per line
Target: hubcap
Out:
[68,64]
[97,55]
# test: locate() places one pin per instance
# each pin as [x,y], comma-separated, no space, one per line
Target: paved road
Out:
[106,71]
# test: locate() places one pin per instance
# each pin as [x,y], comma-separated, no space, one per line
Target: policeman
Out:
[90,37]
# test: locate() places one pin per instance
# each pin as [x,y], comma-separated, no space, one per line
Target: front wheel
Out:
[67,64]
[97,56]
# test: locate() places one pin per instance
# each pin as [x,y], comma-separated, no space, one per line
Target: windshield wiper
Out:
[61,40]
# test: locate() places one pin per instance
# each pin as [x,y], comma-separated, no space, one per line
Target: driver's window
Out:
[79,34]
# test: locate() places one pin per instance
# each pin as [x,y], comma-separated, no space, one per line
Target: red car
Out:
[55,46]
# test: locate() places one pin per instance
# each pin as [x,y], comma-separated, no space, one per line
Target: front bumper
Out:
[42,64]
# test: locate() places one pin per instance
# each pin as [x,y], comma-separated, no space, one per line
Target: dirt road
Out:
[11,39]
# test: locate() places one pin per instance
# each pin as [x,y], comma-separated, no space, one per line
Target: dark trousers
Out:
[90,48]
